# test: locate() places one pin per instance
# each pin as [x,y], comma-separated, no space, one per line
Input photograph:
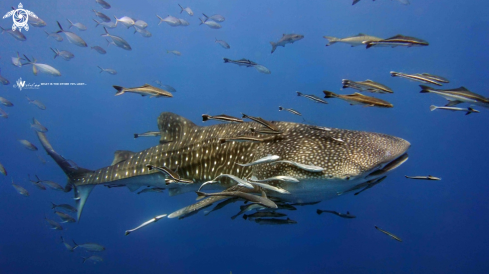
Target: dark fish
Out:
[66,207]
[429,177]
[103,3]
[266,221]
[65,217]
[144,90]
[172,174]
[14,33]
[359,99]
[261,121]
[222,205]
[222,117]
[398,40]
[240,62]
[342,215]
[154,190]
[312,97]
[118,41]
[371,184]
[389,234]
[264,130]
[37,183]
[54,225]
[286,39]
[293,111]
[102,16]
[264,215]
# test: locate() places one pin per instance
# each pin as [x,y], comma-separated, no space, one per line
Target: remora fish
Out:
[312,97]
[266,159]
[223,44]
[261,121]
[271,221]
[262,200]
[293,111]
[222,205]
[199,156]
[38,67]
[240,62]
[287,179]
[144,90]
[222,117]
[357,40]
[63,54]
[367,85]
[398,40]
[429,177]
[72,38]
[118,41]
[103,3]
[79,26]
[147,134]
[468,110]
[342,215]
[264,215]
[153,220]
[435,77]
[14,33]
[16,60]
[389,234]
[457,96]
[187,9]
[359,99]
[415,77]
[37,183]
[286,39]
[3,114]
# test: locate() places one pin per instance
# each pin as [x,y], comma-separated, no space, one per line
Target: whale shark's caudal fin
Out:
[76,176]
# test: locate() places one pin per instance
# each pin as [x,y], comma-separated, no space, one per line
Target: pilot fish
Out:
[286,39]
[196,154]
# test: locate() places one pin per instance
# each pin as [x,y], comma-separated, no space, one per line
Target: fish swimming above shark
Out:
[195,153]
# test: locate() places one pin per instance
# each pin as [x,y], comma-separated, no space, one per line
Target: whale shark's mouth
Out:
[388,167]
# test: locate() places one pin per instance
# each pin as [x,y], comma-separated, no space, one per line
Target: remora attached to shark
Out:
[196,153]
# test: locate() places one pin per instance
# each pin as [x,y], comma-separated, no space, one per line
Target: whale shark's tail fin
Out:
[78,177]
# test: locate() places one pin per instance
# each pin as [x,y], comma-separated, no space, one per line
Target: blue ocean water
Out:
[442,223]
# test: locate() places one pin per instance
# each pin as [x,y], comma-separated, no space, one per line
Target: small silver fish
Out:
[309,168]
[6,102]
[210,24]
[91,247]
[37,103]
[54,225]
[102,16]
[20,190]
[55,36]
[262,69]
[109,71]
[183,22]
[53,185]
[168,88]
[14,33]
[3,80]
[118,41]
[65,217]
[95,259]
[293,111]
[147,134]
[3,114]
[110,25]
[170,20]
[286,39]
[99,49]
[429,177]
[143,32]
[79,26]
[103,3]
[263,199]
[152,220]
[66,207]
[223,44]
[187,9]
[44,68]
[68,246]
[270,187]
[63,54]
[72,37]
[267,159]
[3,170]
[16,60]
[140,24]
[287,179]
[215,17]
[28,145]
[468,110]
[175,52]
[38,126]
[126,21]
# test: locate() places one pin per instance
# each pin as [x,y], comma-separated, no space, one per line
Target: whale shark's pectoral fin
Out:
[121,156]
[174,127]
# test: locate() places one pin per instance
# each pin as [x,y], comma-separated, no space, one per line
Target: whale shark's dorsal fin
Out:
[172,127]
[121,156]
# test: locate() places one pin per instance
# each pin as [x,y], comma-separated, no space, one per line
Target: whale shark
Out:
[347,158]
